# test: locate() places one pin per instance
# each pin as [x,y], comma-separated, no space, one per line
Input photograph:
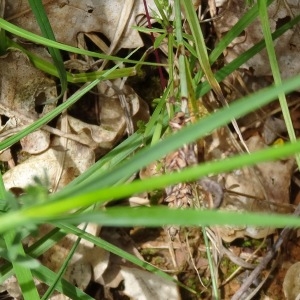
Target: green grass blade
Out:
[215,291]
[47,276]
[264,19]
[50,69]
[243,23]
[181,57]
[49,43]
[189,174]
[53,209]
[23,274]
[200,45]
[44,24]
[162,216]
[62,270]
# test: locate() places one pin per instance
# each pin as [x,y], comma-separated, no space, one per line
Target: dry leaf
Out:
[291,283]
[46,165]
[143,285]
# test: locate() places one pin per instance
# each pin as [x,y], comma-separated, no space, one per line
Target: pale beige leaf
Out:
[143,285]
[291,283]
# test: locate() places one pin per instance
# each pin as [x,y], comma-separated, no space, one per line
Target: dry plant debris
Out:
[58,154]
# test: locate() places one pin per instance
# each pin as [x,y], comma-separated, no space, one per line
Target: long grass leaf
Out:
[49,43]
[23,274]
[46,29]
[264,18]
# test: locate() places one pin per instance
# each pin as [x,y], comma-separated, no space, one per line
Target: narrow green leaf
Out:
[23,273]
[49,43]
[44,24]
[161,216]
[264,18]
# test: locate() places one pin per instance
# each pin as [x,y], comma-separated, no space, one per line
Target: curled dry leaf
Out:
[286,46]
[113,120]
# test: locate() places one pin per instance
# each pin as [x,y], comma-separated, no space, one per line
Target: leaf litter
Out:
[60,152]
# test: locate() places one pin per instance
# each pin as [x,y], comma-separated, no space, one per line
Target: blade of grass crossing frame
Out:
[15,30]
[234,32]
[42,19]
[49,68]
[23,273]
[264,19]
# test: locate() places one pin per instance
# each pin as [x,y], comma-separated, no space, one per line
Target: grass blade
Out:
[23,274]
[264,18]
[44,24]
